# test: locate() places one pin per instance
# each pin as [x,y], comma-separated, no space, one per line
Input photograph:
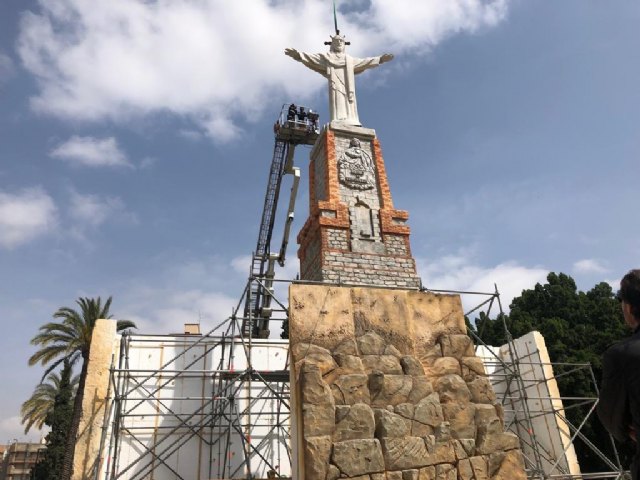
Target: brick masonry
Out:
[353,234]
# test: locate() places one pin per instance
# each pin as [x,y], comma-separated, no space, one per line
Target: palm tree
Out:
[70,339]
[34,411]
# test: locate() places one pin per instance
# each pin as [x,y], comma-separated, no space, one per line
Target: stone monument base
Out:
[386,386]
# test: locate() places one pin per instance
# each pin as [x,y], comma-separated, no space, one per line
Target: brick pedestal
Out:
[353,233]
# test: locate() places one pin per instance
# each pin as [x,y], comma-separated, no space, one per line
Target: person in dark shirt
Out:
[619,402]
[302,115]
[291,113]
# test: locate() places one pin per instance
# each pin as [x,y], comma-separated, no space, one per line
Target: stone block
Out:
[465,472]
[420,389]
[487,420]
[318,420]
[396,475]
[446,471]
[452,389]
[481,390]
[358,457]
[389,424]
[349,363]
[333,473]
[472,367]
[354,422]
[300,350]
[370,344]
[316,453]
[511,467]
[480,467]
[350,389]
[443,366]
[497,442]
[395,389]
[387,364]
[314,390]
[391,350]
[404,453]
[427,473]
[441,452]
[461,418]
[428,412]
[411,366]
[346,347]
[412,474]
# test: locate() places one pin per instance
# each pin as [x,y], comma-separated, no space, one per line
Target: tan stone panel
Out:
[95,400]
[433,315]
[320,315]
[386,313]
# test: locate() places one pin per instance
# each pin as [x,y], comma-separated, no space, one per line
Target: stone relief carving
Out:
[355,167]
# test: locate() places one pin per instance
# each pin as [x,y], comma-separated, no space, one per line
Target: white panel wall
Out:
[161,406]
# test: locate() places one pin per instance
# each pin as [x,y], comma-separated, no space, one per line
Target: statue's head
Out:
[338,43]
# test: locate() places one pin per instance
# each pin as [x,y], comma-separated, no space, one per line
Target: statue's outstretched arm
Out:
[362,64]
[293,53]
[314,61]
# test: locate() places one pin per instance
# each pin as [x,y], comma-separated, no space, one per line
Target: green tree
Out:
[70,339]
[34,411]
[577,328]
[59,418]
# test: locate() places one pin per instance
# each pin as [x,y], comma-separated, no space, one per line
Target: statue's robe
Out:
[340,69]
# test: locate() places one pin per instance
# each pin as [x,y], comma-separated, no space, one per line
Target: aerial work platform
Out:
[294,126]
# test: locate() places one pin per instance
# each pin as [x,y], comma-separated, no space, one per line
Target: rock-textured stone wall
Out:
[387,386]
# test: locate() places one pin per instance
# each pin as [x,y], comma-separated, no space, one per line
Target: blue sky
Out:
[136,137]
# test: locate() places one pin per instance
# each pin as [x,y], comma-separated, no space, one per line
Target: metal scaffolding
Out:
[237,425]
[511,374]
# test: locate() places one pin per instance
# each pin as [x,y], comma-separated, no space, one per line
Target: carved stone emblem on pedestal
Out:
[355,167]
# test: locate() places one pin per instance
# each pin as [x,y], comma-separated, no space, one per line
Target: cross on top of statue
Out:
[339,69]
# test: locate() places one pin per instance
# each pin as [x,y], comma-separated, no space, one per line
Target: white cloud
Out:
[213,63]
[589,265]
[206,290]
[459,272]
[25,216]
[94,210]
[91,152]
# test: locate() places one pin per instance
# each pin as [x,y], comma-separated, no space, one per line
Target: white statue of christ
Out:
[340,69]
